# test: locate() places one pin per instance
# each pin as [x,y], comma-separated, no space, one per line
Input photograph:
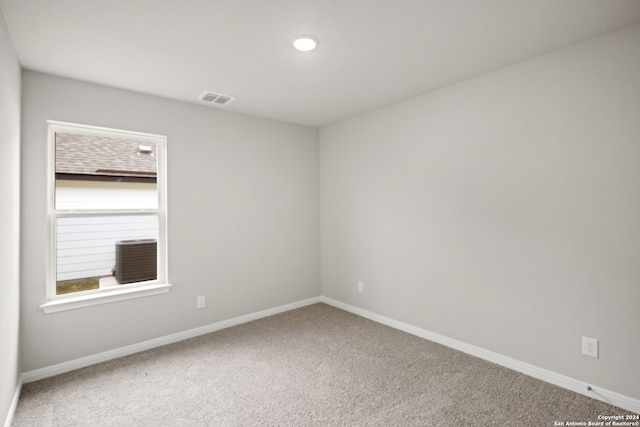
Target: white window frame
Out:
[55,303]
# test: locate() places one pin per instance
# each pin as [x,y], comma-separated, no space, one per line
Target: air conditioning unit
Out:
[136,260]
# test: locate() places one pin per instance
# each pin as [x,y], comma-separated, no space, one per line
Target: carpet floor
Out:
[314,366]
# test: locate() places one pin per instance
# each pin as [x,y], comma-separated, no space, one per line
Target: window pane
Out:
[98,172]
[73,194]
[86,251]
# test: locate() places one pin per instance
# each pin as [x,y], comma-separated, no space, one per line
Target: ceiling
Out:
[371,52]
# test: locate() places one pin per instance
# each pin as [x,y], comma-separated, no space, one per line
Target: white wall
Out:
[503,211]
[9,220]
[72,194]
[242,216]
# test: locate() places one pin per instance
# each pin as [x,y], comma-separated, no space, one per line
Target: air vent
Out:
[216,98]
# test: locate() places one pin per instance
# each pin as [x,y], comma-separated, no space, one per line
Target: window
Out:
[107,216]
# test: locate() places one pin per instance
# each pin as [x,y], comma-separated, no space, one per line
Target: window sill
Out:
[73,303]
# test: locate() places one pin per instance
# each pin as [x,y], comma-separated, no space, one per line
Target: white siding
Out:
[86,245]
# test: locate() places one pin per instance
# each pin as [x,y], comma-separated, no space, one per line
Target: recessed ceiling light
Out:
[305,43]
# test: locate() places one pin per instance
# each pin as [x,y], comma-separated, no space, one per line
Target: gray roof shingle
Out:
[80,154]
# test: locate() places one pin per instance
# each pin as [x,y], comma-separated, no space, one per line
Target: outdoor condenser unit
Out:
[136,260]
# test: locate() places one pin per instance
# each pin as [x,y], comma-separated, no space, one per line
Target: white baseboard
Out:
[14,404]
[82,362]
[613,398]
[604,395]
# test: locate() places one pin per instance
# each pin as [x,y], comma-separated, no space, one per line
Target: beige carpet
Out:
[315,366]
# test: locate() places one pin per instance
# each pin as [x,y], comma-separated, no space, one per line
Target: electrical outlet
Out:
[360,286]
[590,347]
[201,302]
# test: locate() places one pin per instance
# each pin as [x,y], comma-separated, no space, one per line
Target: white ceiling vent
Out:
[216,98]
